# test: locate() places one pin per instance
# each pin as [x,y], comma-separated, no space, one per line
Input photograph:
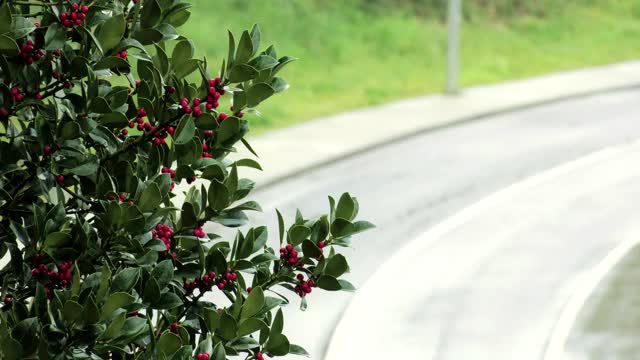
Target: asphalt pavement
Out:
[407,187]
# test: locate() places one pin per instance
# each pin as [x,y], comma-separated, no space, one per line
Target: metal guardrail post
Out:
[453,46]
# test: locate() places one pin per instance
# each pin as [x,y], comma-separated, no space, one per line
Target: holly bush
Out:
[104,108]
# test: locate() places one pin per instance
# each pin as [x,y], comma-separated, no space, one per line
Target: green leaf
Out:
[277,345]
[150,198]
[336,266]
[185,131]
[132,327]
[186,68]
[341,228]
[212,319]
[218,352]
[113,63]
[280,226]
[116,301]
[245,48]
[70,130]
[169,343]
[256,36]
[115,119]
[263,62]
[278,323]
[258,93]
[182,52]
[279,84]
[228,326]
[249,163]
[163,273]
[298,233]
[8,46]
[56,240]
[298,350]
[346,207]
[218,195]
[242,72]
[21,27]
[150,14]
[72,311]
[111,31]
[115,326]
[125,279]
[91,314]
[55,37]
[148,36]
[310,249]
[5,18]
[168,301]
[360,226]
[328,283]
[249,326]
[227,129]
[346,286]
[87,169]
[206,121]
[151,292]
[253,304]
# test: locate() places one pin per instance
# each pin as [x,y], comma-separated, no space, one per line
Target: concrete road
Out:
[407,187]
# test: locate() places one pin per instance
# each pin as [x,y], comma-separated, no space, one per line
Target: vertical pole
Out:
[453,62]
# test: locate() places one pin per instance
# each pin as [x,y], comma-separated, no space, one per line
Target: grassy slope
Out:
[352,58]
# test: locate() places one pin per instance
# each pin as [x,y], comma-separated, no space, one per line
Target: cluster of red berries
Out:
[172,173]
[206,282]
[29,54]
[259,356]
[210,102]
[238,113]
[202,356]
[198,232]
[122,54]
[290,255]
[122,197]
[62,78]
[74,17]
[304,287]
[17,94]
[206,154]
[163,232]
[61,278]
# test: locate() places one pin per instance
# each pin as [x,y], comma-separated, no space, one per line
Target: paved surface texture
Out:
[298,148]
[608,326]
[407,187]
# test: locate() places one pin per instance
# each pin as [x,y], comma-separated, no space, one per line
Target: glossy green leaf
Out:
[111,31]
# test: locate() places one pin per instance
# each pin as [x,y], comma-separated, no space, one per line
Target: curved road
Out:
[407,187]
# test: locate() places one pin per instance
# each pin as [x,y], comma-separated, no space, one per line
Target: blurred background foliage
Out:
[364,52]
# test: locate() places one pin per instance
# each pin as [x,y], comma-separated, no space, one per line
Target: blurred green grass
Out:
[366,52]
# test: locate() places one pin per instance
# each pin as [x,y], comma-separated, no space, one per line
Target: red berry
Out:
[125,132]
[122,196]
[174,328]
[3,112]
[85,9]
[46,149]
[60,179]
[222,117]
[8,300]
